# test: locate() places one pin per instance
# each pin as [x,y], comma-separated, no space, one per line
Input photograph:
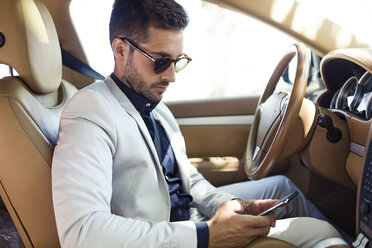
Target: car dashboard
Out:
[347,75]
[354,96]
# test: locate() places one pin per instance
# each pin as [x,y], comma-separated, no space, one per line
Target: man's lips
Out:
[161,88]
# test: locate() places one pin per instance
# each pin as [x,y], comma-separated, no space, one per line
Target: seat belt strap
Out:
[78,65]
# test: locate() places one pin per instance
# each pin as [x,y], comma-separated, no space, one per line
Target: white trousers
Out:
[306,232]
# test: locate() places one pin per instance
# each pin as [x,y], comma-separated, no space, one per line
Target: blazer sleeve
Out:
[82,185]
[206,197]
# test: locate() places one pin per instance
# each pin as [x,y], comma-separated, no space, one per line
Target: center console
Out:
[364,236]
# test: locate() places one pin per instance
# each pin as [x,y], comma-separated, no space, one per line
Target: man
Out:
[121,177]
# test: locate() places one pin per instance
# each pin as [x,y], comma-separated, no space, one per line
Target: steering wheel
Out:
[276,115]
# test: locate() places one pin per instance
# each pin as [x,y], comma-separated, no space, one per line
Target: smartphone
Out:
[280,203]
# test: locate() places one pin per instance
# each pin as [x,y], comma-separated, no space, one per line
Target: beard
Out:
[139,85]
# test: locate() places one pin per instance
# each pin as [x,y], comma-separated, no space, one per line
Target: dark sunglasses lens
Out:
[162,64]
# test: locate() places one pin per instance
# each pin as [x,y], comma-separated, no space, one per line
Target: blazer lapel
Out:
[132,111]
[174,142]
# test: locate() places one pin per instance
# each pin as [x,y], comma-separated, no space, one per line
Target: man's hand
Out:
[254,207]
[229,227]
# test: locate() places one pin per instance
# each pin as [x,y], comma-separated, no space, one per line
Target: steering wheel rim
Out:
[264,149]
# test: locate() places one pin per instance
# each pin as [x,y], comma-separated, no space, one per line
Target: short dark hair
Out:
[132,18]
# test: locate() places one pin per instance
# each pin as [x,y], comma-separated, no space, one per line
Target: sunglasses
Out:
[161,64]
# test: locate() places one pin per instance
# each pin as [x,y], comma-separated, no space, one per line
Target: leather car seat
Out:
[30,108]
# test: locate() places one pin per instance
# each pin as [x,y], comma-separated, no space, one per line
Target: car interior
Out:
[319,138]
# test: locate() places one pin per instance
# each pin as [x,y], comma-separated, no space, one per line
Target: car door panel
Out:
[216,133]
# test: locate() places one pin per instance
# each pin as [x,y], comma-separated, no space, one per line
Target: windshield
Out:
[233,54]
[352,15]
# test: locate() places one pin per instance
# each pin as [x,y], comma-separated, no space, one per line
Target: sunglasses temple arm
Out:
[140,51]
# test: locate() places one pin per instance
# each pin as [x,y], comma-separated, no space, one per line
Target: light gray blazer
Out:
[108,185]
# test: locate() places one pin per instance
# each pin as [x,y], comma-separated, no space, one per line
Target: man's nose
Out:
[169,74]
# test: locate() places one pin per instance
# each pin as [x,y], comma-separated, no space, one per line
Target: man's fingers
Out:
[257,221]
[272,219]
[260,231]
[232,229]
[264,204]
[255,207]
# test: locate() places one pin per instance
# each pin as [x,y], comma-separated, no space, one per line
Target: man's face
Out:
[138,73]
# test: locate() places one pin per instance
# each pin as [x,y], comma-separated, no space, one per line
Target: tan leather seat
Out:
[269,243]
[30,108]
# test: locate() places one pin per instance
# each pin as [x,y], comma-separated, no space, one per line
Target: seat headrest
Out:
[31,44]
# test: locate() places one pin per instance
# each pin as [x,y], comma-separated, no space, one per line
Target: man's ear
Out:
[119,47]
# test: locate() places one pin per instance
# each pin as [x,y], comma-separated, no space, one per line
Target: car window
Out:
[4,71]
[233,54]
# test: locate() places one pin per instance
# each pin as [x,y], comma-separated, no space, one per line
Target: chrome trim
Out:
[357,149]
[255,153]
[216,120]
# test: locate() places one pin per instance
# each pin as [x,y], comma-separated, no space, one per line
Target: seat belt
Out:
[78,65]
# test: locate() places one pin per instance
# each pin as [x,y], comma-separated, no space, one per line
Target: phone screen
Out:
[281,202]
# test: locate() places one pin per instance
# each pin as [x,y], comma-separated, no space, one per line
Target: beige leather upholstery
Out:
[31,46]
[269,243]
[30,108]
